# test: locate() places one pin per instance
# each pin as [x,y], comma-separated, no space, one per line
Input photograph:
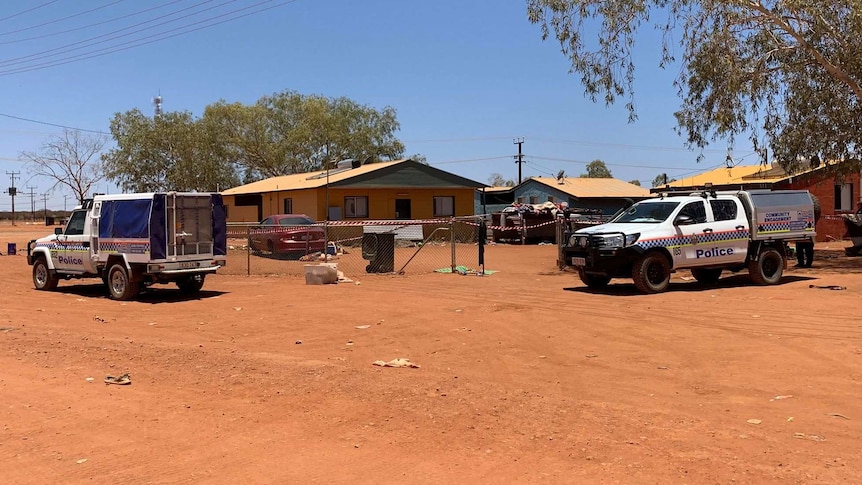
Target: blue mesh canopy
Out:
[125,219]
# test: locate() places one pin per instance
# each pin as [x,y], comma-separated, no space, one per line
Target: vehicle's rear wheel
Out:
[120,285]
[192,284]
[768,268]
[651,273]
[706,276]
[43,278]
[270,247]
[593,280]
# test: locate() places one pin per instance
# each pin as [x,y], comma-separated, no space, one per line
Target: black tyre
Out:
[192,284]
[706,276]
[270,247]
[651,273]
[120,285]
[593,280]
[43,278]
[768,268]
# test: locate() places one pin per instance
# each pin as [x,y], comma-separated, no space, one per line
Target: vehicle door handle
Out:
[740,228]
[707,230]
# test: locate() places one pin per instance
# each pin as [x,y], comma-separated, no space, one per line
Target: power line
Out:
[617,145]
[52,34]
[28,10]
[40,55]
[143,41]
[53,124]
[59,20]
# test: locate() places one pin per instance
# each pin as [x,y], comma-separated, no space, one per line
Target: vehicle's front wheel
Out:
[43,278]
[706,276]
[593,280]
[120,285]
[191,285]
[768,268]
[651,273]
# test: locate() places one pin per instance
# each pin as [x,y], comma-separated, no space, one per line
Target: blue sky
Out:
[466,78]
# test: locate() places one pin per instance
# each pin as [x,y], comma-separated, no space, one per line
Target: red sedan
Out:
[292,234]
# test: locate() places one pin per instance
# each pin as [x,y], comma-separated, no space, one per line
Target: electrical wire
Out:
[52,34]
[617,145]
[53,124]
[61,19]
[111,50]
[70,47]
[28,10]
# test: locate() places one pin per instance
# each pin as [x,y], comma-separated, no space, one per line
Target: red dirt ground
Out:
[525,377]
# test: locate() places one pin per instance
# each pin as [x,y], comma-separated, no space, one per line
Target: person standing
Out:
[804,253]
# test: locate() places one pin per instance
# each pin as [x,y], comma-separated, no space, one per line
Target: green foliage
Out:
[233,143]
[635,182]
[497,180]
[289,132]
[597,170]
[784,73]
[171,152]
[661,180]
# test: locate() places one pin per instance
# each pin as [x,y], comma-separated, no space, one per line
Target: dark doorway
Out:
[402,209]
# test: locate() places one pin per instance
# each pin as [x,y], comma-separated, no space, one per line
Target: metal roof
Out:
[317,179]
[584,187]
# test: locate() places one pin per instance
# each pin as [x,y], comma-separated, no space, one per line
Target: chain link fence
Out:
[359,248]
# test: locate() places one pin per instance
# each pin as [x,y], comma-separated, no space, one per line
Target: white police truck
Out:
[131,241]
[707,232]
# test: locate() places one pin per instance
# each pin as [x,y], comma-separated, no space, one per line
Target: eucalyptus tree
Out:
[70,159]
[785,73]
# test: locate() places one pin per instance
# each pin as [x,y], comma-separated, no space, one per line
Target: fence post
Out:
[561,233]
[452,241]
[248,250]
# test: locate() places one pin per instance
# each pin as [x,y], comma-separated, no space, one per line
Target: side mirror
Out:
[683,220]
[58,231]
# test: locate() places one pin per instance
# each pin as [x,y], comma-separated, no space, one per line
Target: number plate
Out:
[188,265]
[579,262]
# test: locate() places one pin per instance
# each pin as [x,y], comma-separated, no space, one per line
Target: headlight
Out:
[613,241]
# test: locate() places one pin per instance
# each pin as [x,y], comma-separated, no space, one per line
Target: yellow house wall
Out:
[381,202]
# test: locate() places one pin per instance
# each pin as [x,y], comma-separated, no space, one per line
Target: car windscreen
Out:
[647,212]
[295,221]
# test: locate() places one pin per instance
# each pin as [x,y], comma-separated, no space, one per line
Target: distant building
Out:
[401,189]
[837,196]
[605,194]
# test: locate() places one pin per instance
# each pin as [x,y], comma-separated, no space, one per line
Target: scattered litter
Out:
[836,415]
[362,327]
[590,356]
[99,319]
[237,308]
[298,342]
[90,379]
[81,461]
[828,287]
[754,421]
[778,398]
[755,316]
[686,278]
[662,367]
[463,270]
[396,363]
[790,419]
[6,329]
[120,380]
[812,437]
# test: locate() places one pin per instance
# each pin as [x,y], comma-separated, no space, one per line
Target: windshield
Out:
[295,221]
[647,212]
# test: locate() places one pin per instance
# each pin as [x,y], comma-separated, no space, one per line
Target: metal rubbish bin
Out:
[379,250]
[11,249]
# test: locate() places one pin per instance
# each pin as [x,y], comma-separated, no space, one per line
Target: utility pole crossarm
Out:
[519,159]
